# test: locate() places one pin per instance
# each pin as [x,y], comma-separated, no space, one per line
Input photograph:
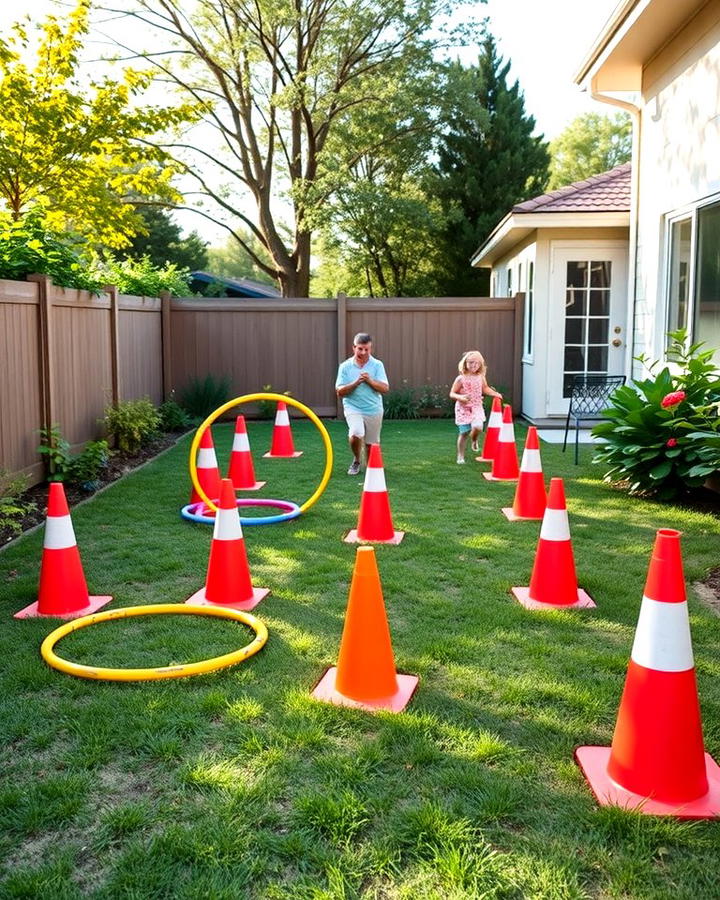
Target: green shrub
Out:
[267,408]
[132,423]
[435,396]
[55,451]
[201,396]
[12,507]
[662,434]
[401,403]
[85,468]
[140,277]
[172,416]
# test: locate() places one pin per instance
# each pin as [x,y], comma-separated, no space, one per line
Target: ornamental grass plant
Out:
[239,785]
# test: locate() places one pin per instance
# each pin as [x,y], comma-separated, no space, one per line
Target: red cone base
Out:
[509,514]
[522,595]
[352,538]
[199,599]
[325,690]
[94,604]
[491,477]
[594,763]
[270,455]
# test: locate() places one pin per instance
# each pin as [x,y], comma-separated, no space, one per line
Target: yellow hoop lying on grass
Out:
[250,398]
[179,671]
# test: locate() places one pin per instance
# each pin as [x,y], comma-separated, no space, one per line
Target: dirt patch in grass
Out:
[708,590]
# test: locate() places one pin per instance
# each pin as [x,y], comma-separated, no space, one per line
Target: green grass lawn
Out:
[238,784]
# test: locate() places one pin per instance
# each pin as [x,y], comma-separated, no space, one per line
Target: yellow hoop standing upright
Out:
[251,398]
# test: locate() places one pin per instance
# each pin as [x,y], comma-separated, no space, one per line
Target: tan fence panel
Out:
[21,400]
[290,345]
[140,363]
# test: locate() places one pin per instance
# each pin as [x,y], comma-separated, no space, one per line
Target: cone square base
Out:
[31,612]
[352,538]
[593,762]
[199,599]
[509,514]
[491,477]
[483,459]
[325,690]
[522,595]
[253,487]
[269,455]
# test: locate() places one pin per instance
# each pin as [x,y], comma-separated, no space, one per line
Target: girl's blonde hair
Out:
[462,365]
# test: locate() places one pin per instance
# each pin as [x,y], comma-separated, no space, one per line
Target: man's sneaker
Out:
[354,468]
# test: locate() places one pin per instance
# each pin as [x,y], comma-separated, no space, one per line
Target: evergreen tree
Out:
[163,243]
[488,160]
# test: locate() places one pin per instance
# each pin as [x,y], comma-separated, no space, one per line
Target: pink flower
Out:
[672,399]
[672,442]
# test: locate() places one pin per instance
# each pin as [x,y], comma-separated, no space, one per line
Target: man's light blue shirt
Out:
[363,399]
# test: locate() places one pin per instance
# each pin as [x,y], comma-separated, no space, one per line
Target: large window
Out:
[680,234]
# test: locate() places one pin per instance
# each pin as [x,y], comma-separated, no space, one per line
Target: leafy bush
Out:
[662,434]
[12,507]
[132,423]
[140,277]
[401,403]
[435,396]
[267,408]
[85,468]
[172,416]
[202,396]
[55,451]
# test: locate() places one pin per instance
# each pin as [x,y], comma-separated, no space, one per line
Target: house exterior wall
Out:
[678,161]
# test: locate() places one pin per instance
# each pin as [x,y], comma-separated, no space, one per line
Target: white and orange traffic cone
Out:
[553,584]
[63,591]
[492,432]
[530,499]
[365,676]
[375,519]
[228,581]
[657,763]
[242,471]
[282,440]
[505,461]
[208,474]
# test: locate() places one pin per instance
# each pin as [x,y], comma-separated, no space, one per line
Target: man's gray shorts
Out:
[365,427]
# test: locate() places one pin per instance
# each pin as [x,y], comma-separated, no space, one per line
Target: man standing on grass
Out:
[361,381]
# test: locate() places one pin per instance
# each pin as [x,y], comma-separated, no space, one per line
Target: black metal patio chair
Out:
[588,396]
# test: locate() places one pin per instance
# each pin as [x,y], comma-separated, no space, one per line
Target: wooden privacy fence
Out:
[65,355]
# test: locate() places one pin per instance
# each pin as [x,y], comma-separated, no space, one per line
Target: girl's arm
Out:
[455,393]
[490,391]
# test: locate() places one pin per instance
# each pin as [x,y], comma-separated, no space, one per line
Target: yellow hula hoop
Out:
[180,671]
[250,398]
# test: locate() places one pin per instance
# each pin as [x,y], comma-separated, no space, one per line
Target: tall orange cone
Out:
[375,519]
[530,500]
[657,763]
[242,471]
[365,675]
[492,433]
[63,590]
[553,584]
[282,439]
[228,576]
[208,473]
[505,461]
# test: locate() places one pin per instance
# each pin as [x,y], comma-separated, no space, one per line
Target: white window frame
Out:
[529,318]
[509,281]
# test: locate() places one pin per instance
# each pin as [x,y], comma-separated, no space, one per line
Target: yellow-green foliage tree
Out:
[77,152]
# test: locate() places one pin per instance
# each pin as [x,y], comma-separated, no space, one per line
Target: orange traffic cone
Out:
[208,473]
[63,590]
[282,439]
[530,501]
[492,432]
[241,471]
[553,583]
[365,675]
[505,461]
[375,520]
[228,576]
[657,763]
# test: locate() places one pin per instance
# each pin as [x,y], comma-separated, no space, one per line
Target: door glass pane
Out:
[599,303]
[707,291]
[597,359]
[577,274]
[574,359]
[598,331]
[575,303]
[587,323]
[600,273]
[680,234]
[575,331]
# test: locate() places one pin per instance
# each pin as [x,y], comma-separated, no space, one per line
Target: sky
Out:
[545,41]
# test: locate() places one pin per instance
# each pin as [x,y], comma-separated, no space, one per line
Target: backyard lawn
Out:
[238,784]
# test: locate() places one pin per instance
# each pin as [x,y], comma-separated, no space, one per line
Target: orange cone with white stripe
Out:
[505,461]
[282,439]
[63,590]
[365,675]
[492,433]
[553,584]
[657,763]
[228,580]
[375,519]
[242,471]
[530,499]
[208,473]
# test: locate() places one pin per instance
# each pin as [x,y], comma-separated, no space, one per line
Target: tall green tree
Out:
[281,83]
[78,153]
[161,241]
[488,160]
[591,143]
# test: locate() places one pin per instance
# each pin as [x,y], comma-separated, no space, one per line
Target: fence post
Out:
[341,307]
[114,344]
[518,333]
[165,344]
[45,349]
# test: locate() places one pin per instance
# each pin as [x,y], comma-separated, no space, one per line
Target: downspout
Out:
[634,111]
